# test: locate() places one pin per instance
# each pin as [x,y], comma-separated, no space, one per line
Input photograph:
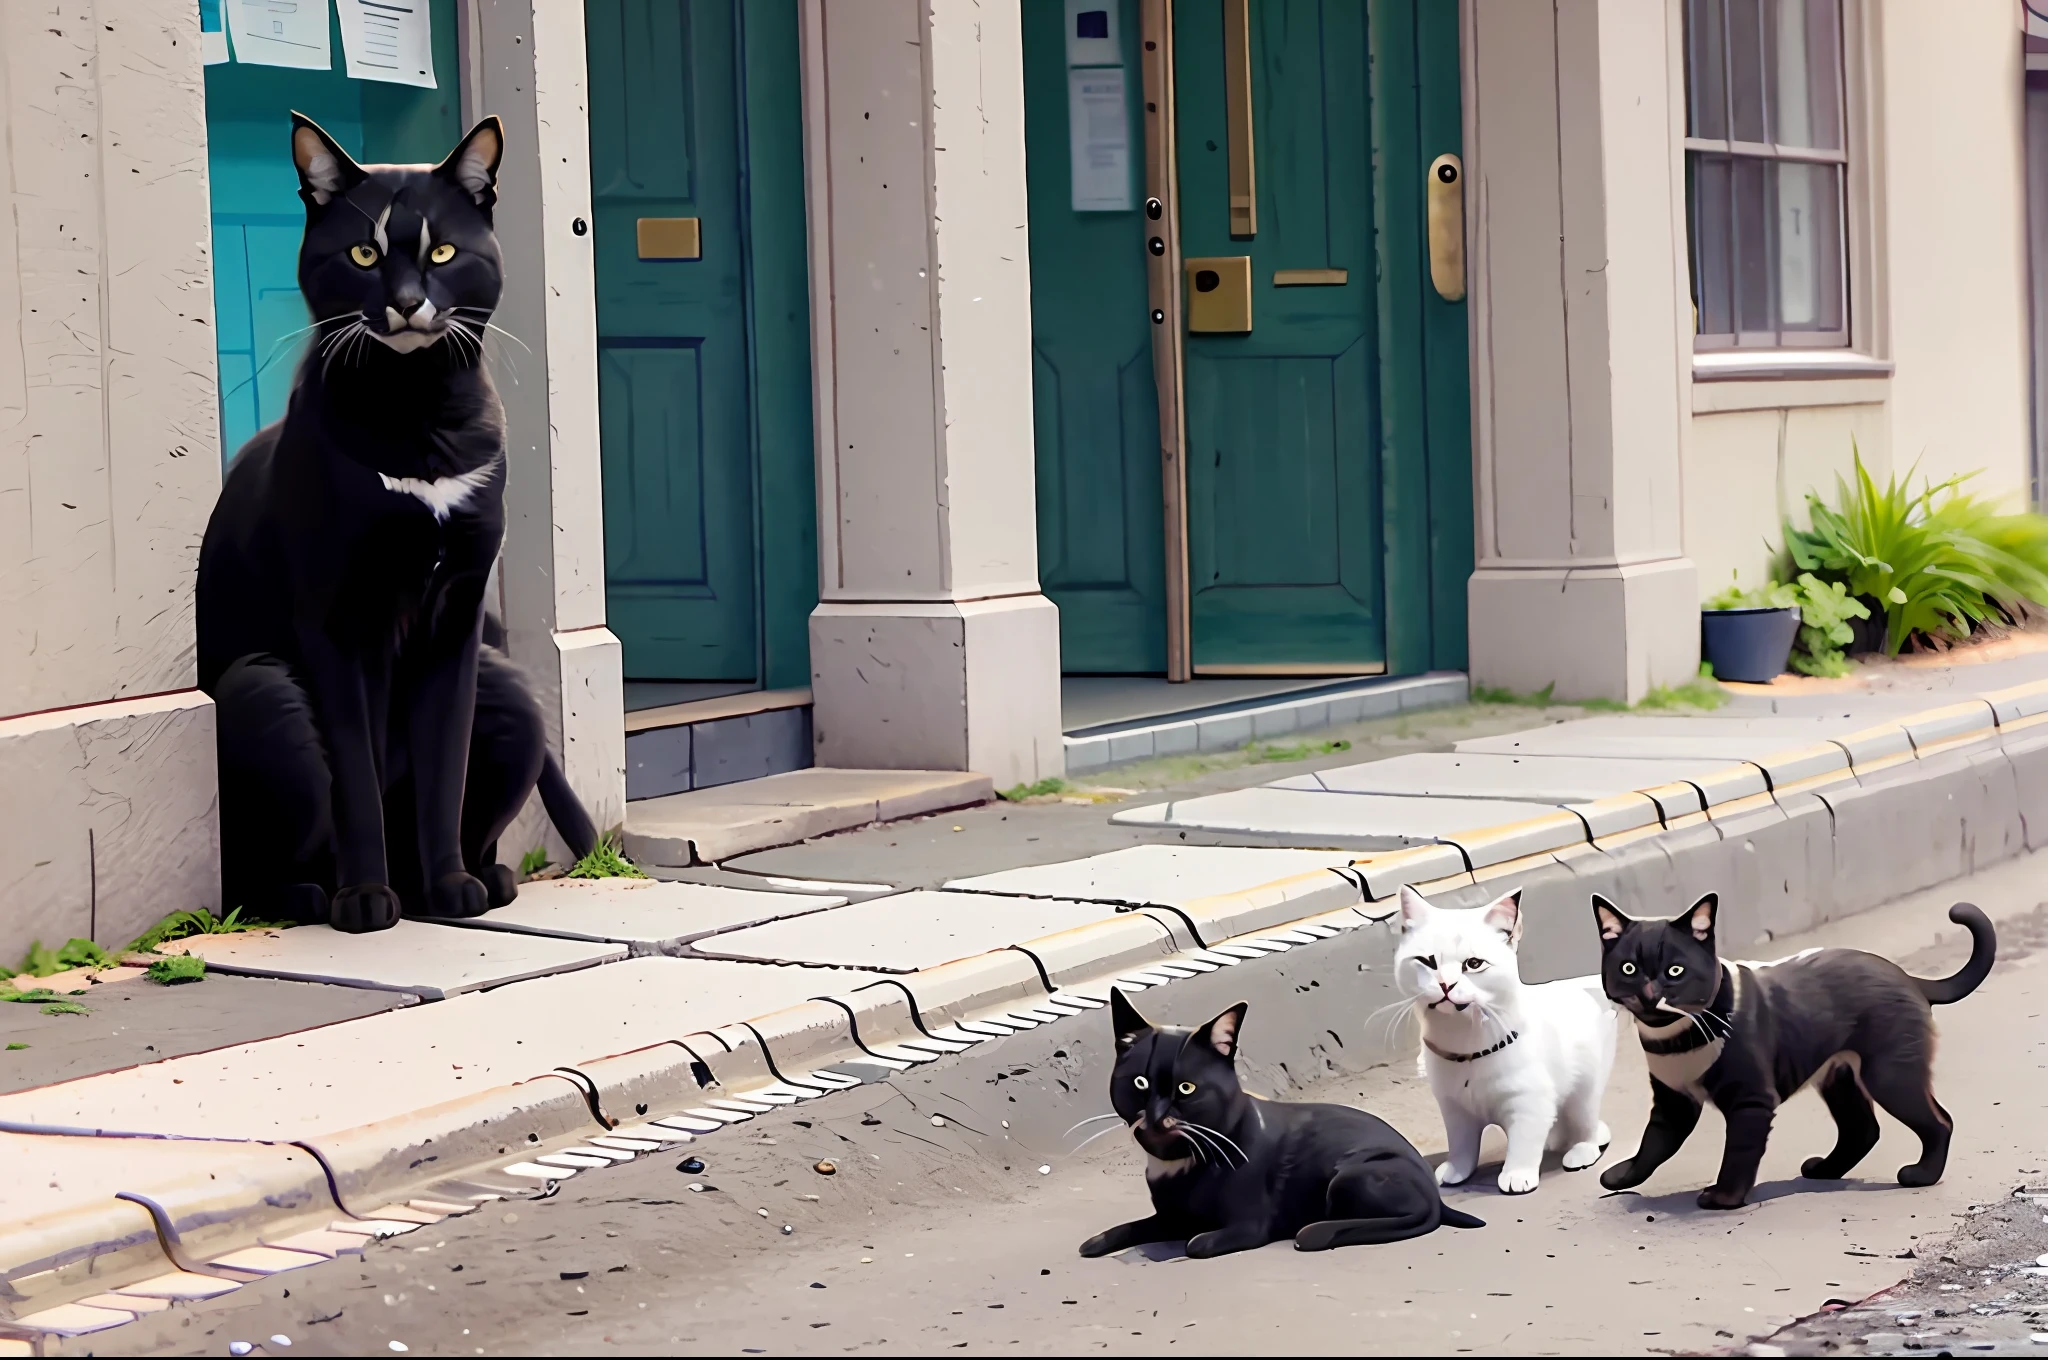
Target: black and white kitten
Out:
[1747,1036]
[372,748]
[1229,1171]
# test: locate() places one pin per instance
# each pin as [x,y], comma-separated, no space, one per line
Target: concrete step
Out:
[705,826]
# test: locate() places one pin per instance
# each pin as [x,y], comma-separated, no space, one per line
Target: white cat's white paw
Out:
[1579,1156]
[1517,1182]
[1604,1136]
[1446,1174]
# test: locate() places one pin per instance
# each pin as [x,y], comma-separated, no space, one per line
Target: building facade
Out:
[870,363]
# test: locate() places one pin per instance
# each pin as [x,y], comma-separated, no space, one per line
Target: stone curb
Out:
[1791,840]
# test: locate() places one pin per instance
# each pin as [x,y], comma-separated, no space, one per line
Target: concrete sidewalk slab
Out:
[1367,821]
[429,960]
[389,1066]
[1154,875]
[1519,778]
[1672,738]
[708,825]
[907,932]
[648,916]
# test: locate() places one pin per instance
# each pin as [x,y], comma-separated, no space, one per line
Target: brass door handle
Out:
[669,238]
[1445,194]
[1219,294]
[1237,110]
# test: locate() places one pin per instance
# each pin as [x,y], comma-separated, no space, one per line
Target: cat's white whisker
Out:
[1092,1119]
[1226,1138]
[1099,1133]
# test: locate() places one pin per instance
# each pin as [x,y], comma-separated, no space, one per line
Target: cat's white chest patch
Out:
[1159,1168]
[443,495]
[1682,1071]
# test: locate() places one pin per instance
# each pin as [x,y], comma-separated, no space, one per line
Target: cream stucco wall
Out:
[109,464]
[1943,297]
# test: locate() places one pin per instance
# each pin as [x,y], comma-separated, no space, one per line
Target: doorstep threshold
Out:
[709,710]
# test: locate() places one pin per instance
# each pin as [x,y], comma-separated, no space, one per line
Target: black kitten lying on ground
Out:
[372,748]
[1229,1171]
[1747,1036]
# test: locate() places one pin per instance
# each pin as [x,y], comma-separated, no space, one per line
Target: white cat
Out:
[1532,1060]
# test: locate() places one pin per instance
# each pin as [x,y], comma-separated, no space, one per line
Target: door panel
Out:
[673,379]
[1283,457]
[1100,527]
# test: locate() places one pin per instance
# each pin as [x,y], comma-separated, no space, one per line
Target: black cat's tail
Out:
[1983,951]
[565,810]
[1458,1218]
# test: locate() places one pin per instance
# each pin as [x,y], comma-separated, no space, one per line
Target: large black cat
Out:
[1230,1172]
[1748,1036]
[372,747]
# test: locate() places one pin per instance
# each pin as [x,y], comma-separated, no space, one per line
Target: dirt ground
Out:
[957,1203]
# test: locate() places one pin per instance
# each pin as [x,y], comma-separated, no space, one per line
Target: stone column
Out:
[525,63]
[1581,348]
[932,647]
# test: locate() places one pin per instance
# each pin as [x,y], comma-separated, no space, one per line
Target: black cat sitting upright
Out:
[372,747]
[1229,1171]
[1748,1036]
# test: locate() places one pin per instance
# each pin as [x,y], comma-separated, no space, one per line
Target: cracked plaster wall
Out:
[109,465]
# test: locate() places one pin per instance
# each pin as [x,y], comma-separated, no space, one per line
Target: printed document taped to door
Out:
[388,40]
[280,33]
[1099,136]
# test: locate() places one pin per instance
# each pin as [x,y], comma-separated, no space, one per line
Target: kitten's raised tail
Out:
[1983,950]
[1458,1218]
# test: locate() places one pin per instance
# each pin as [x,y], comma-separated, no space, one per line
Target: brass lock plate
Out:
[1219,294]
[668,238]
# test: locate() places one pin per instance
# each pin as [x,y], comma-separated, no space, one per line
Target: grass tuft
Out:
[1489,694]
[606,861]
[1044,788]
[51,1003]
[177,968]
[533,861]
[180,924]
[1269,753]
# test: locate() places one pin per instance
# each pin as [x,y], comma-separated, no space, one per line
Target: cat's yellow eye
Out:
[441,254]
[1676,970]
[364,254]
[1141,1083]
[1187,1088]
[1628,970]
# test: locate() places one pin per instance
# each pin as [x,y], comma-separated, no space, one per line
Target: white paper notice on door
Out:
[1099,135]
[280,33]
[388,40]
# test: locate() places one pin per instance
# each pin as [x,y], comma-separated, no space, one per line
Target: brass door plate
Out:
[1219,294]
[1311,278]
[669,238]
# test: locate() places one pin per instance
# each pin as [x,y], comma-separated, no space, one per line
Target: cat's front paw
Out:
[364,908]
[1518,1182]
[1714,1197]
[1449,1174]
[1099,1245]
[501,885]
[1579,1156]
[458,895]
[1622,1176]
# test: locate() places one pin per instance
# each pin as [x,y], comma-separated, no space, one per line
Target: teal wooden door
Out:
[1283,464]
[1100,526]
[671,340]
[703,364]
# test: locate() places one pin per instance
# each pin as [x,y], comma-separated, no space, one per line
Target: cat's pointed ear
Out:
[326,172]
[473,164]
[1125,1020]
[1220,1034]
[1698,920]
[1609,919]
[1415,909]
[1505,915]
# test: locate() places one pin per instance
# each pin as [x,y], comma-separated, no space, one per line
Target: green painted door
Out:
[703,364]
[1100,523]
[1328,453]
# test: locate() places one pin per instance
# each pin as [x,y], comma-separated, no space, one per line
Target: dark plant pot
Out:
[1748,644]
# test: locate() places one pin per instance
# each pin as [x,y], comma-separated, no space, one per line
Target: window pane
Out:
[1803,55]
[1752,253]
[1712,250]
[1706,74]
[1746,68]
[1808,220]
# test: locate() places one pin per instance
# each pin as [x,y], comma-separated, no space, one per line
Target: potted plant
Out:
[1753,634]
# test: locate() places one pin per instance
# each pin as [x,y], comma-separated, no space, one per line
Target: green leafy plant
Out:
[43,961]
[177,968]
[180,924]
[51,1003]
[1043,788]
[1825,608]
[15,1048]
[606,861]
[533,861]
